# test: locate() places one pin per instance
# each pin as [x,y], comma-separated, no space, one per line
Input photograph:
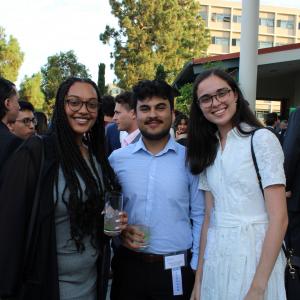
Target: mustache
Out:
[150,120]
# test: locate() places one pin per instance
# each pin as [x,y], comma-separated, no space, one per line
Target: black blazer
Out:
[17,192]
[8,143]
[291,149]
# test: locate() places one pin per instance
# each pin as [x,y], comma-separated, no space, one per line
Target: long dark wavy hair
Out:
[202,144]
[85,216]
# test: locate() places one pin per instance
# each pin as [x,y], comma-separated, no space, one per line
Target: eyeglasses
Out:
[27,121]
[75,104]
[207,100]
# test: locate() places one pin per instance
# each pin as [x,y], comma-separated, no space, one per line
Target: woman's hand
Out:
[123,220]
[255,294]
[196,290]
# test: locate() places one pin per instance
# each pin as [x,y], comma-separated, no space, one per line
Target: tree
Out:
[160,73]
[101,79]
[184,101]
[152,33]
[30,90]
[11,56]
[58,68]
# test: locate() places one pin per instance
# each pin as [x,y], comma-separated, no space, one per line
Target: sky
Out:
[47,27]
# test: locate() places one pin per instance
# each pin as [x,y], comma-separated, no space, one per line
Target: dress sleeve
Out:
[270,158]
[203,184]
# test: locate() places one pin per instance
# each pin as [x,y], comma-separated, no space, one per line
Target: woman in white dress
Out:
[243,229]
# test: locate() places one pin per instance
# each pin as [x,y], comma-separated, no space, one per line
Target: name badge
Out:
[177,281]
[174,261]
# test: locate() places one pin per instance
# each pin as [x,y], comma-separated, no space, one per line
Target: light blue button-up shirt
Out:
[159,191]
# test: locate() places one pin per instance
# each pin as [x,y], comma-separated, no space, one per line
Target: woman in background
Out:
[42,123]
[181,127]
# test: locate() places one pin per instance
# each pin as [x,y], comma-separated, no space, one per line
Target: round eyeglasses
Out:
[28,121]
[207,100]
[75,104]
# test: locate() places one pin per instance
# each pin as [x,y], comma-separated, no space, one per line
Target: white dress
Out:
[239,219]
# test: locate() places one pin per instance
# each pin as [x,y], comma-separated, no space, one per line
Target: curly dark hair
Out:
[149,88]
[202,143]
[85,216]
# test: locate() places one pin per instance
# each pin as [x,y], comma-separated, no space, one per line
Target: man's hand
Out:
[132,238]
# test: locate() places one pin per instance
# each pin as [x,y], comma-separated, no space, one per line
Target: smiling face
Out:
[154,117]
[221,110]
[82,120]
[182,126]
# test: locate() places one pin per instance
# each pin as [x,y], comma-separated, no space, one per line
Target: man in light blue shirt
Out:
[161,193]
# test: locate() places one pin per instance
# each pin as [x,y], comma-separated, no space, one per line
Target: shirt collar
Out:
[170,146]
[130,137]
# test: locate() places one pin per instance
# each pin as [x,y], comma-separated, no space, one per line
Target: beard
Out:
[156,136]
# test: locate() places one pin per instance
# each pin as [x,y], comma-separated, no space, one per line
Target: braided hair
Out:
[85,216]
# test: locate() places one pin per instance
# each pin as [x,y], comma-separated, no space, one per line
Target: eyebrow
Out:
[75,96]
[218,90]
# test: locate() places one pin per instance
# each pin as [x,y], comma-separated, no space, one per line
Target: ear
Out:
[11,126]
[7,103]
[173,116]
[133,114]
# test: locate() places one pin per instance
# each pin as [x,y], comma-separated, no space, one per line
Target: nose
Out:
[213,102]
[152,113]
[83,108]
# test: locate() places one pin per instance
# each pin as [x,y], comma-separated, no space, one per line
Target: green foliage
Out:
[58,68]
[153,33]
[184,101]
[101,79]
[30,90]
[11,56]
[48,108]
[160,73]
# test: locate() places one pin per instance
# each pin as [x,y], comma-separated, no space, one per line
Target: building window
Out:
[285,24]
[237,19]
[266,22]
[299,26]
[220,17]
[220,41]
[235,42]
[262,44]
[203,15]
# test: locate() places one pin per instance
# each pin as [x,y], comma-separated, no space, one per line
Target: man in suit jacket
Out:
[9,109]
[291,148]
[112,138]
[125,118]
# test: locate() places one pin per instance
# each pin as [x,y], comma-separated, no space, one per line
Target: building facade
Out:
[277,25]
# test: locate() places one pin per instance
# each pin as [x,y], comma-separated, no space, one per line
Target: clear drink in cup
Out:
[146,230]
[113,206]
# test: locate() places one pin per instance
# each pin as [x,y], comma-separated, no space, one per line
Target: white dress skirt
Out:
[239,218]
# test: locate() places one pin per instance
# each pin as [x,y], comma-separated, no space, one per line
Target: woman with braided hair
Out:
[68,252]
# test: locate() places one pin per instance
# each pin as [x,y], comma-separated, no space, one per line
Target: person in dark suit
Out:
[291,149]
[9,109]
[112,138]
